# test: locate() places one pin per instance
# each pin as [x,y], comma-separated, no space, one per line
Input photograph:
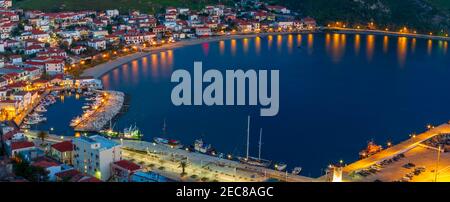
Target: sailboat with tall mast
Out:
[165,141]
[253,160]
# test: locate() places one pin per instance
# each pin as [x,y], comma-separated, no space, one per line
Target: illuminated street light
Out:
[389,144]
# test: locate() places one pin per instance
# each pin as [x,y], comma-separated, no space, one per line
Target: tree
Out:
[32,173]
[183,165]
[42,135]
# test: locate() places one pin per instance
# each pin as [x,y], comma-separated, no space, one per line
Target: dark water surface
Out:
[336,93]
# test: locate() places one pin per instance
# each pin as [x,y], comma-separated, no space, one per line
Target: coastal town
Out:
[46,55]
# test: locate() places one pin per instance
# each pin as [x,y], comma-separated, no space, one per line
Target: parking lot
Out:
[416,165]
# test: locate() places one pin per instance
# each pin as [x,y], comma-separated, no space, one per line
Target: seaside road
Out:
[397,149]
[215,164]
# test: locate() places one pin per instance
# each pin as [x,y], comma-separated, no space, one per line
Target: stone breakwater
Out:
[111,105]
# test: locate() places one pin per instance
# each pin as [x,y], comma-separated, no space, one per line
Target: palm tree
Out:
[42,135]
[183,165]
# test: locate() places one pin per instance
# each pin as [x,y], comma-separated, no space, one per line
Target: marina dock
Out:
[398,149]
[110,106]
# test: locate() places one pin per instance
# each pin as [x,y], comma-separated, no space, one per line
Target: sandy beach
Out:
[100,70]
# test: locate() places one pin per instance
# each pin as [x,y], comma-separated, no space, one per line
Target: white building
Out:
[54,67]
[94,155]
[203,31]
[97,44]
[112,13]
[6,3]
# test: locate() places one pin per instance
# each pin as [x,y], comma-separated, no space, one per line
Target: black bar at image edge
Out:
[225,191]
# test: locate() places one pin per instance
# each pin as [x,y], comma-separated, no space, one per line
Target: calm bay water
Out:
[336,93]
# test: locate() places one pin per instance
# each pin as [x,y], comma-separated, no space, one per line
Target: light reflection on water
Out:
[335,45]
[245,45]
[370,45]
[357,44]
[310,43]
[258,45]
[269,42]
[402,50]
[222,47]
[430,46]
[233,47]
[385,44]
[366,83]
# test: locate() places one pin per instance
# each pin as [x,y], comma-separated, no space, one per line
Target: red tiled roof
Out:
[45,164]
[21,145]
[8,101]
[63,146]
[68,173]
[89,179]
[128,165]
[10,134]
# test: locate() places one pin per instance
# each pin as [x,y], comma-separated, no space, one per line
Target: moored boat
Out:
[252,160]
[370,150]
[280,166]
[297,170]
[201,147]
[132,132]
[40,108]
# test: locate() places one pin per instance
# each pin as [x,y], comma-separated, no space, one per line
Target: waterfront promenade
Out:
[165,160]
[238,171]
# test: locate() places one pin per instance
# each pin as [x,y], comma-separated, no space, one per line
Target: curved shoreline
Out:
[102,69]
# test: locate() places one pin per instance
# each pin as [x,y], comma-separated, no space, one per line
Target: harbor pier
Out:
[96,119]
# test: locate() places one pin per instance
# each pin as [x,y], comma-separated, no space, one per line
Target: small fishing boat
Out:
[297,170]
[34,115]
[40,108]
[370,150]
[280,166]
[31,122]
[132,132]
[40,119]
[201,147]
[165,141]
[25,126]
[160,140]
